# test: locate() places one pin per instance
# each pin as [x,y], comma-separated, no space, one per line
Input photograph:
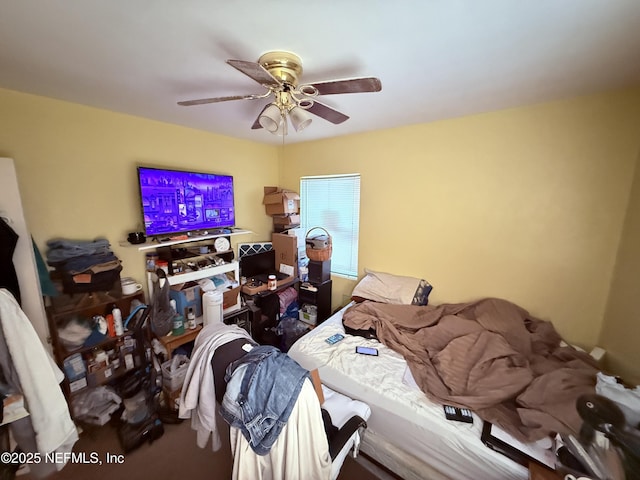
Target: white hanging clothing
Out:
[39,379]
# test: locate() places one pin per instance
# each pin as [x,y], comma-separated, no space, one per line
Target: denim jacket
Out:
[260,403]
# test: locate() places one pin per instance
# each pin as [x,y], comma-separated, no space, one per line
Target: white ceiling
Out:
[436,58]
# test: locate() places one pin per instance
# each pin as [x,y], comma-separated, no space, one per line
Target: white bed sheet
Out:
[403,421]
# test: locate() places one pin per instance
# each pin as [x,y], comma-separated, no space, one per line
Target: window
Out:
[333,203]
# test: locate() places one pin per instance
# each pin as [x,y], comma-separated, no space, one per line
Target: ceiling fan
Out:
[279,72]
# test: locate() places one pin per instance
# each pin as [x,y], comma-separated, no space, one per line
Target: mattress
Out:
[406,432]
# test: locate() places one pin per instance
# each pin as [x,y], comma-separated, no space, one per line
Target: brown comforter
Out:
[490,356]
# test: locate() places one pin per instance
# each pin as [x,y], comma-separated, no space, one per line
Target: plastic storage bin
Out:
[172,380]
[308,314]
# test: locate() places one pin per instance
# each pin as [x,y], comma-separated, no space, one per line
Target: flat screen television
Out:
[176,201]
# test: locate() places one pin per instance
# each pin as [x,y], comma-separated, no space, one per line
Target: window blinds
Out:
[333,203]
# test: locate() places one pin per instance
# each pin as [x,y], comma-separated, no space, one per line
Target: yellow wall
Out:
[76,169]
[621,326]
[525,204]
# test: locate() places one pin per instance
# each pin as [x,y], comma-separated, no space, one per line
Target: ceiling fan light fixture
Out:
[271,118]
[279,72]
[282,128]
[308,90]
[300,118]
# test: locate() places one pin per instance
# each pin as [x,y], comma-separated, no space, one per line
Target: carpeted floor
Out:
[173,456]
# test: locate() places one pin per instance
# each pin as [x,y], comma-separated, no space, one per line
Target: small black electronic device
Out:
[335,338]
[367,351]
[264,277]
[458,414]
[319,272]
[136,238]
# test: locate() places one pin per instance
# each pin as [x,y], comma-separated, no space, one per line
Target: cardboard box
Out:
[172,398]
[187,295]
[249,290]
[74,367]
[230,297]
[78,385]
[286,248]
[286,220]
[279,202]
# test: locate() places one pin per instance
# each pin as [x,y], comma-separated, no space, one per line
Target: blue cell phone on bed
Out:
[367,351]
[335,338]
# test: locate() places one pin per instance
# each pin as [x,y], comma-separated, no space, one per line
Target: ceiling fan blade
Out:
[327,113]
[255,71]
[354,85]
[188,103]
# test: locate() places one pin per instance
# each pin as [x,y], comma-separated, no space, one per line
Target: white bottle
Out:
[191,318]
[117,321]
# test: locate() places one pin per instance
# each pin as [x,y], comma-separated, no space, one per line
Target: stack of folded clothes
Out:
[84,265]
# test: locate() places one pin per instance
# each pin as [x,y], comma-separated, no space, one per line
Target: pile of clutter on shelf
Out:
[84,265]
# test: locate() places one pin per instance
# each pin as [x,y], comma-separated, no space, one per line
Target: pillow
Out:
[388,288]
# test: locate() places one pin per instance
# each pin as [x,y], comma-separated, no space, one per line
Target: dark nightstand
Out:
[318,294]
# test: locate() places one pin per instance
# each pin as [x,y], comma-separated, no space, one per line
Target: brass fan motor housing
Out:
[285,66]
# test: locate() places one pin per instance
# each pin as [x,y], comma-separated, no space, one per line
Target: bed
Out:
[407,432]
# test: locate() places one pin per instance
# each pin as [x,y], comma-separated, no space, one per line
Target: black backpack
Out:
[162,312]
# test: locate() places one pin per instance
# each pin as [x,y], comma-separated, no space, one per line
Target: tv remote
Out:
[458,414]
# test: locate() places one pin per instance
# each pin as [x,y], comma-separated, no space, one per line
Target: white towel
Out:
[39,377]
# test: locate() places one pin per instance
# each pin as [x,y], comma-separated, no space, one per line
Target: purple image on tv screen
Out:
[176,201]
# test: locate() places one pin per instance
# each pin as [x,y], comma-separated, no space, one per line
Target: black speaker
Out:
[319,272]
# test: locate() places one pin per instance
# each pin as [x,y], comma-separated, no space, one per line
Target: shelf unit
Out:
[85,306]
[152,244]
[185,277]
[178,251]
[318,294]
[171,342]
